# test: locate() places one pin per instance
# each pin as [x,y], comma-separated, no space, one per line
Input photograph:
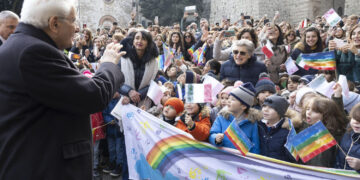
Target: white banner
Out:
[157,150]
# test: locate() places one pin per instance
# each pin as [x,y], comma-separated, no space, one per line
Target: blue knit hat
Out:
[265,84]
[245,94]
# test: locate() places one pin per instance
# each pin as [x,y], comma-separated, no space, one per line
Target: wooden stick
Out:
[341,149]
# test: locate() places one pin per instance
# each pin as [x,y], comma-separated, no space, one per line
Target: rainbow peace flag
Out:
[198,55]
[168,55]
[319,61]
[161,60]
[191,50]
[174,148]
[313,141]
[238,138]
[288,145]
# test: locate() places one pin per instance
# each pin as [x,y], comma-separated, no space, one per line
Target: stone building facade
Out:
[102,13]
[292,11]
[352,7]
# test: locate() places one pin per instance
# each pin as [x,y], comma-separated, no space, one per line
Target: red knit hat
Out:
[176,103]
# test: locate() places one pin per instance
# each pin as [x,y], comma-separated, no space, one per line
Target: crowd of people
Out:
[258,92]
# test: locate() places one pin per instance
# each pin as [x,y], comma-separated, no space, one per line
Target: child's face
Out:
[166,96]
[311,116]
[355,125]
[206,68]
[224,99]
[292,86]
[171,72]
[235,105]
[169,112]
[181,79]
[270,114]
[263,95]
[191,108]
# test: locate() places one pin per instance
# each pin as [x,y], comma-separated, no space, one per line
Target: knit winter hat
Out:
[307,78]
[176,103]
[245,94]
[278,103]
[191,77]
[227,90]
[265,84]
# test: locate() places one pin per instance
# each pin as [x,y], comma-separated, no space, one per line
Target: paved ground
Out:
[105,176]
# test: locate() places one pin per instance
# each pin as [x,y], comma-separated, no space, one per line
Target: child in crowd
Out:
[264,88]
[239,109]
[221,103]
[350,144]
[116,141]
[172,73]
[325,110]
[293,82]
[196,121]
[172,109]
[274,128]
[212,68]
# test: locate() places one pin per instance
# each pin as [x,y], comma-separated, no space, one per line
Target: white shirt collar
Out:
[273,126]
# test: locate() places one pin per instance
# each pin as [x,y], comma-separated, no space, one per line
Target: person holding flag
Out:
[274,128]
[241,99]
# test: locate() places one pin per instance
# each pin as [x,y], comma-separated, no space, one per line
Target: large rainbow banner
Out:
[157,151]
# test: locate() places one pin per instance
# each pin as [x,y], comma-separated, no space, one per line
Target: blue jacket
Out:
[272,141]
[348,139]
[249,127]
[112,130]
[248,72]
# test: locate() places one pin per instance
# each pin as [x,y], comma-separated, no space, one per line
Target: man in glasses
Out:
[45,102]
[242,64]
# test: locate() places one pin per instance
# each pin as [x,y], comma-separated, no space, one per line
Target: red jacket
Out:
[201,131]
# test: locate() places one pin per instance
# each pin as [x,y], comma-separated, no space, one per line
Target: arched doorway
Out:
[106,21]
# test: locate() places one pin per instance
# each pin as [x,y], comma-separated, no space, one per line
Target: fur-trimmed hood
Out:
[253,115]
[295,119]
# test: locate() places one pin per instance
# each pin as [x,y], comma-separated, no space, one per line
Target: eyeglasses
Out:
[71,21]
[242,53]
[187,36]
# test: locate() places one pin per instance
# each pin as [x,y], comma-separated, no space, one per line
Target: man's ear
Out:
[53,24]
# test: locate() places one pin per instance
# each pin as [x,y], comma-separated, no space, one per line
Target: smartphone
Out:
[266,21]
[229,33]
[246,17]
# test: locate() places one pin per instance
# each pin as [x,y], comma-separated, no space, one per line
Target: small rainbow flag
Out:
[238,138]
[198,55]
[168,55]
[288,145]
[161,60]
[313,141]
[191,50]
[319,61]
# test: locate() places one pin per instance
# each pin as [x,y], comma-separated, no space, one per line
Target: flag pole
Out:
[341,149]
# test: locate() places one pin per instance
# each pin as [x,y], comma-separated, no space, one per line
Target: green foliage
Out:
[169,11]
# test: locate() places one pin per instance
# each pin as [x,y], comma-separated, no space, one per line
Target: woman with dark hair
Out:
[176,44]
[272,37]
[139,67]
[189,41]
[311,43]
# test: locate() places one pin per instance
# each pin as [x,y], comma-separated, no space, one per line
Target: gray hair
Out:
[8,15]
[245,43]
[38,12]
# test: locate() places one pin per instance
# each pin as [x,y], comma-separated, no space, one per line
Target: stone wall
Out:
[352,7]
[99,13]
[292,11]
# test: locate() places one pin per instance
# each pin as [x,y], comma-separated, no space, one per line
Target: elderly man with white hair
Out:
[45,102]
[8,23]
[242,64]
